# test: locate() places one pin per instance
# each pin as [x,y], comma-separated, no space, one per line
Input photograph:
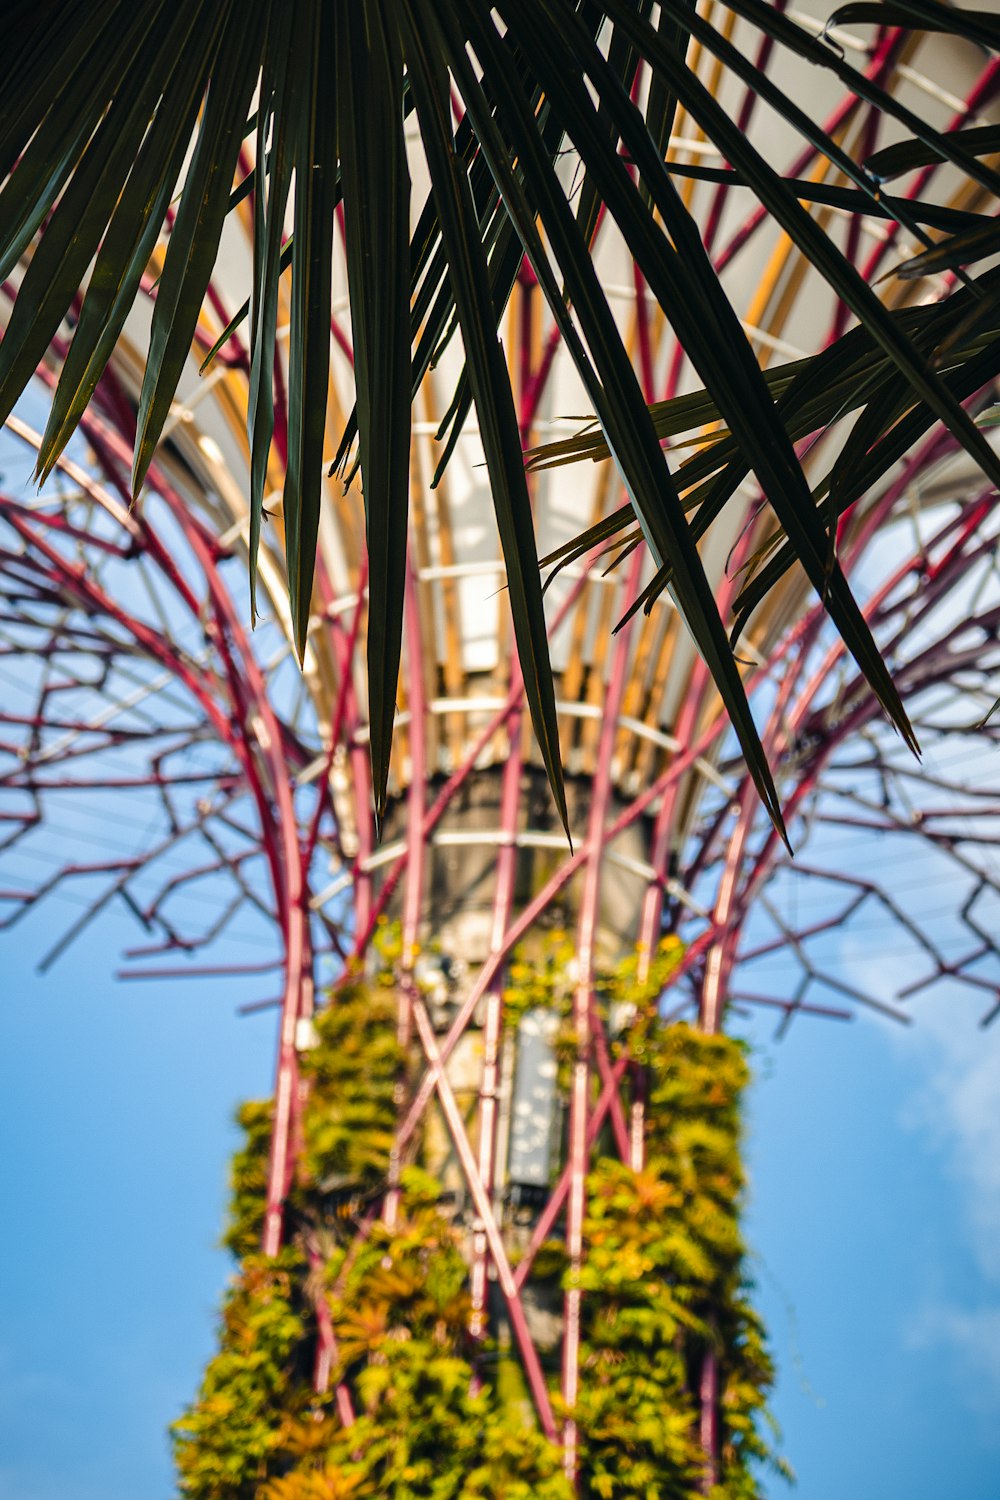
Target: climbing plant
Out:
[433,1413]
[665,1273]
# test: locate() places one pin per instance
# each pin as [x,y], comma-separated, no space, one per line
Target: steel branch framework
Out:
[154,752]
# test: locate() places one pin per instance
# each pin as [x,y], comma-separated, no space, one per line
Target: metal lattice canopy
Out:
[136,680]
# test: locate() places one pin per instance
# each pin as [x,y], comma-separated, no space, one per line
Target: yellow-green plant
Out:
[436,1415]
[230,1440]
[352,1072]
[665,1274]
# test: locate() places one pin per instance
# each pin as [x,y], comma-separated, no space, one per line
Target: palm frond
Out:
[537,119]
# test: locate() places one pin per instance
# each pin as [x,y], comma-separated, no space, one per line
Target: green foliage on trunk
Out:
[436,1414]
[665,1282]
[236,1433]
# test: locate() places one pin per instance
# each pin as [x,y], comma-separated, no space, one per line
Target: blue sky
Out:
[875,1214]
[116,1103]
[879,1277]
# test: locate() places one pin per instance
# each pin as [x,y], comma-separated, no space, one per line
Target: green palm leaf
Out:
[110,110]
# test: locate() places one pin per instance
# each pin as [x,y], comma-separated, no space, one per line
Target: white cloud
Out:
[951,1082]
[953,1089]
[956,1102]
[971,1334]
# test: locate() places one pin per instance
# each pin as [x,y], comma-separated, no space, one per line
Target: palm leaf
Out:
[315,150]
[275,115]
[376,188]
[980,26]
[99,112]
[904,156]
[609,379]
[126,249]
[490,386]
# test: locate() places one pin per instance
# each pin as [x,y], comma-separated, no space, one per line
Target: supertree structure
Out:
[136,675]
